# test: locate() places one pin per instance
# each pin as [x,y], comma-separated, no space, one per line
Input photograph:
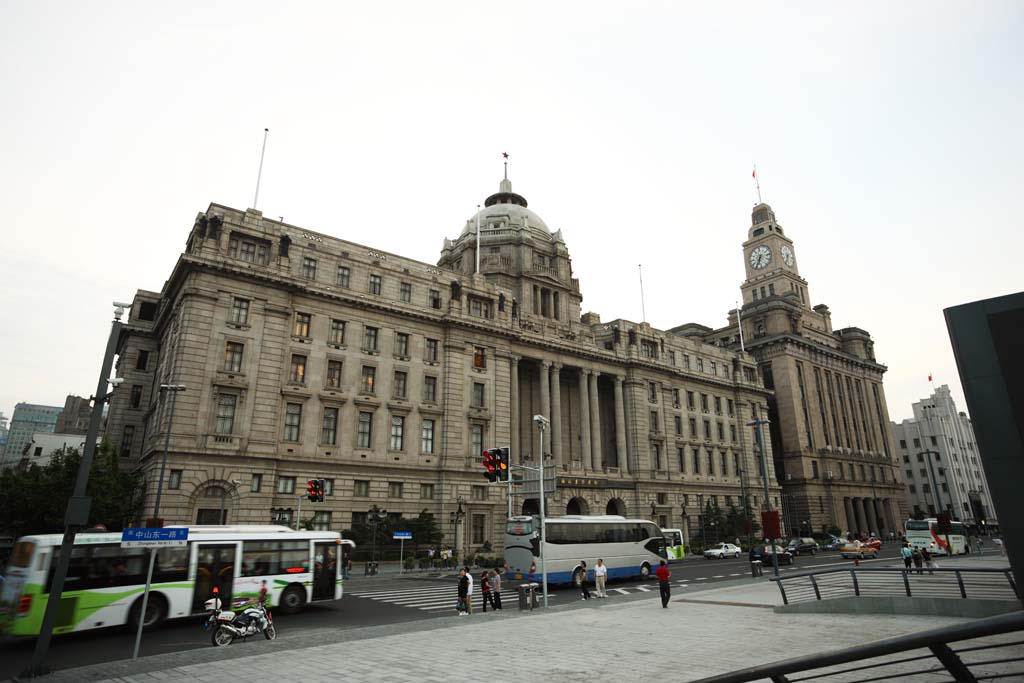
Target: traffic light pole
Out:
[77,515]
[756,424]
[542,423]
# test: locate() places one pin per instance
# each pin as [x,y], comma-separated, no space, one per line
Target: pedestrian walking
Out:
[664,575]
[979,547]
[583,580]
[918,561]
[469,591]
[600,577]
[460,604]
[998,540]
[929,560]
[907,554]
[496,589]
[430,557]
[485,591]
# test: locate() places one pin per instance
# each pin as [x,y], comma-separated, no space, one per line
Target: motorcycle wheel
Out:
[270,632]
[221,637]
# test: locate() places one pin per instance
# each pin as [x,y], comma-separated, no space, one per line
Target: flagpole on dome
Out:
[478,239]
[757,182]
[505,157]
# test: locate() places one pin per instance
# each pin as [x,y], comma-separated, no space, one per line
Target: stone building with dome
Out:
[305,355]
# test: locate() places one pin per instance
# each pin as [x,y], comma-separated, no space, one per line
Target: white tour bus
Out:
[921,533]
[629,547]
[105,582]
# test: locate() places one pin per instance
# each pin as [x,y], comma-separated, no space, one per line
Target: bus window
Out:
[917,525]
[22,554]
[519,527]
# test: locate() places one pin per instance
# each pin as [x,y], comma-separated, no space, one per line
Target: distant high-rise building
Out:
[27,420]
[3,435]
[942,462]
[75,418]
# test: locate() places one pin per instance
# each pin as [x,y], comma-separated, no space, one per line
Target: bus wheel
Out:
[645,571]
[292,599]
[156,612]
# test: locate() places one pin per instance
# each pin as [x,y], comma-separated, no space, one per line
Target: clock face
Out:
[787,255]
[760,257]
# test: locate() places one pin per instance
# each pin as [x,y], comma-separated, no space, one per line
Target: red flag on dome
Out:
[754,174]
[929,377]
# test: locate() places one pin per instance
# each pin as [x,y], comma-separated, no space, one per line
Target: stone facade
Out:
[942,462]
[830,427]
[307,356]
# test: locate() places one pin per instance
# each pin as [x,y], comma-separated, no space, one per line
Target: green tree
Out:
[424,529]
[35,499]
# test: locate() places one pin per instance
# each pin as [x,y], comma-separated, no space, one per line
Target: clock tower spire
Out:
[770,261]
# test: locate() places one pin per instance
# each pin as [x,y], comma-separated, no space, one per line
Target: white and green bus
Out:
[105,582]
[674,543]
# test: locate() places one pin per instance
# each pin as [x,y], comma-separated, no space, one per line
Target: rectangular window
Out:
[361,488]
[233,356]
[369,377]
[127,439]
[427,491]
[934,442]
[679,425]
[693,428]
[142,360]
[344,276]
[736,464]
[718,405]
[479,528]
[329,432]
[334,368]
[240,311]
[478,395]
[814,469]
[704,403]
[681,455]
[654,421]
[298,369]
[226,413]
[434,298]
[652,392]
[675,398]
[917,444]
[337,333]
[136,398]
[479,308]
[732,433]
[328,487]
[256,483]
[723,464]
[394,489]
[707,430]
[479,493]
[711,462]
[479,357]
[714,368]
[700,364]
[286,484]
[309,268]
[174,481]
[903,443]
[672,357]
[399,388]
[375,284]
[370,336]
[322,521]
[292,421]
[655,455]
[302,321]
[686,361]
[397,432]
[427,437]
[721,432]
[730,407]
[405,292]
[430,350]
[402,344]
[696,460]
[690,405]
[364,433]
[429,389]
[476,440]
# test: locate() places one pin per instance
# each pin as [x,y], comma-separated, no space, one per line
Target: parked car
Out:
[803,546]
[764,554]
[858,550]
[832,543]
[722,551]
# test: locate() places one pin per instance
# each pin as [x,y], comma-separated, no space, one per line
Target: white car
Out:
[722,551]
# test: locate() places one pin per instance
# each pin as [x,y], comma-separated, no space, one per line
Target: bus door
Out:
[215,566]
[325,570]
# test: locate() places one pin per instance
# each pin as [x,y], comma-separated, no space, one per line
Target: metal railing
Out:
[987,649]
[977,583]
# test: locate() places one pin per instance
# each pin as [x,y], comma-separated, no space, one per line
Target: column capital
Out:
[545,364]
[556,367]
[621,379]
[515,358]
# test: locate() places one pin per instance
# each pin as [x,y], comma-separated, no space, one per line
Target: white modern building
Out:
[942,463]
[44,444]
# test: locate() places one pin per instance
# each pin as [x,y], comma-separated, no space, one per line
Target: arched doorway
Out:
[577,506]
[210,505]
[531,506]
[615,507]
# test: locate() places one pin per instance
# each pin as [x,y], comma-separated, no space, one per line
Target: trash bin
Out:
[755,568]
[527,596]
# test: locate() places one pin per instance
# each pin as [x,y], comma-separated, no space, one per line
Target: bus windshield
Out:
[519,527]
[917,525]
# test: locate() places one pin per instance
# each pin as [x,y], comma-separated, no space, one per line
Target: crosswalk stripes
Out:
[434,598]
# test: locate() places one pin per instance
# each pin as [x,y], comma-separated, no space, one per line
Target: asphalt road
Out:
[372,601]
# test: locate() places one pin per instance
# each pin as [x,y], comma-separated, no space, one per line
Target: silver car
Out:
[722,551]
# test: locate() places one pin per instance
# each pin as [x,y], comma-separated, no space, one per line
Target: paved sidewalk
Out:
[703,632]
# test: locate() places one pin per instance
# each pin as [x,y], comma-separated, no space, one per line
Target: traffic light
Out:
[501,463]
[321,490]
[490,465]
[311,490]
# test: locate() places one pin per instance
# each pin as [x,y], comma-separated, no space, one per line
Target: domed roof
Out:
[506,210]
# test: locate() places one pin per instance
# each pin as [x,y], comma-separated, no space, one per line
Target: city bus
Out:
[629,547]
[921,533]
[105,582]
[674,543]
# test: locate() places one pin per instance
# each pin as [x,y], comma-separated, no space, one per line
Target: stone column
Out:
[883,522]
[517,423]
[595,424]
[584,419]
[869,508]
[858,511]
[556,414]
[851,520]
[620,425]
[545,399]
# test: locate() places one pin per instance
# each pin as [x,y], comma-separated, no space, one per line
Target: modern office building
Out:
[942,462]
[27,420]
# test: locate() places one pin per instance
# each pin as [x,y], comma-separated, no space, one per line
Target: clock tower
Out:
[771,261]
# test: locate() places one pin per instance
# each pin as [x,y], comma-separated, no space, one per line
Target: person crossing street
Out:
[600,577]
[664,588]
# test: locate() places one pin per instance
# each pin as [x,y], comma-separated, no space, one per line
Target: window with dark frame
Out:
[344,276]
[364,431]
[329,430]
[334,370]
[375,284]
[226,413]
[309,268]
[429,388]
[136,398]
[233,356]
[292,421]
[297,373]
[368,379]
[337,333]
[430,350]
[302,321]
[127,439]
[370,337]
[142,360]
[399,385]
[405,292]
[427,437]
[402,344]
[240,311]
[479,357]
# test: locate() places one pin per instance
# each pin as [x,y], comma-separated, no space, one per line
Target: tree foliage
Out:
[35,499]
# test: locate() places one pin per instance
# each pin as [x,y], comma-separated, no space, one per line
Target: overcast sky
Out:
[888,137]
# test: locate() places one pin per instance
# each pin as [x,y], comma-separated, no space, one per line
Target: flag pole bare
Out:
[643,305]
[259,175]
[757,182]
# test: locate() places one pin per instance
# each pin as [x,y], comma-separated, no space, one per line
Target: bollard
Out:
[756,568]
[525,603]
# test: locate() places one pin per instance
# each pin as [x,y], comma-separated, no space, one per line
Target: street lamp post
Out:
[759,443]
[700,521]
[77,514]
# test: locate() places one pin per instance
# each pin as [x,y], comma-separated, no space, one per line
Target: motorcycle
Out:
[228,625]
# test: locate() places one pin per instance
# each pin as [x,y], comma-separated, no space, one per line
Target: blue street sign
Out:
[401,535]
[154,538]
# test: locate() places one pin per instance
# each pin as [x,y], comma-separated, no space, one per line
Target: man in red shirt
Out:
[664,575]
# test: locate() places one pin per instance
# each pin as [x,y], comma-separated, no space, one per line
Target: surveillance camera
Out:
[116,381]
[541,419]
[121,305]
